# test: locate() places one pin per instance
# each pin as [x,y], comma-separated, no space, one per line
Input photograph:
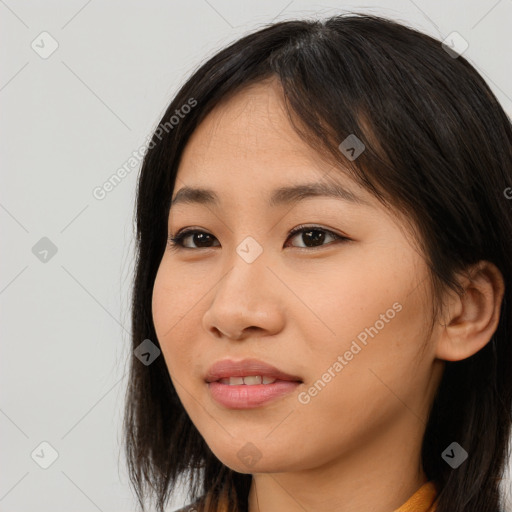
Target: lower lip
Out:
[247,397]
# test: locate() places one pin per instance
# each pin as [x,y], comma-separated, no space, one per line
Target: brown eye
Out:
[200,238]
[314,236]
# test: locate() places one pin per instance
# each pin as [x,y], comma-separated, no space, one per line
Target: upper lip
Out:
[244,368]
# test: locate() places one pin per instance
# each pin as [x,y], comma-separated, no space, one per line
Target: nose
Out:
[246,302]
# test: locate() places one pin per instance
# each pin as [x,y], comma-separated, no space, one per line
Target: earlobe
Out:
[470,320]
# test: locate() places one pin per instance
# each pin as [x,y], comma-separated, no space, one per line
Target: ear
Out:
[468,322]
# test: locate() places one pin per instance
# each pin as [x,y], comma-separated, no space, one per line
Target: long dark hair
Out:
[438,148]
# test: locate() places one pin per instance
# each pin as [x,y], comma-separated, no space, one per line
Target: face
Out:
[342,306]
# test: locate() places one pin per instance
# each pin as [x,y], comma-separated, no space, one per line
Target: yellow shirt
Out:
[422,500]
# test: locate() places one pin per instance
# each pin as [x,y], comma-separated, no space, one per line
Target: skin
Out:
[356,444]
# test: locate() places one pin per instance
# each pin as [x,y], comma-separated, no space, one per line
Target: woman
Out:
[365,371]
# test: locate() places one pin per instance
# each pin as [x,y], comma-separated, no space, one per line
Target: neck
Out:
[379,476]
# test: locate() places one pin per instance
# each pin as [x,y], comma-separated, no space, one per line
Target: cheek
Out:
[171,311]
[361,298]
[175,296]
[377,382]
[162,304]
[374,319]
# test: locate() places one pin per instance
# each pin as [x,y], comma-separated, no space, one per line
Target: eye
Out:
[312,237]
[200,237]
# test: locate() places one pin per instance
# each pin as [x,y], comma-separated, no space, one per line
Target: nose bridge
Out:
[247,271]
[242,297]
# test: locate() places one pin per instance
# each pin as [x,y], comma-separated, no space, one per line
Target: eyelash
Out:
[176,241]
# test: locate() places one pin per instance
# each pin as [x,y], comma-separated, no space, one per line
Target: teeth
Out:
[249,381]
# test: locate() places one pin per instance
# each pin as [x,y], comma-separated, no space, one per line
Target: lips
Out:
[245,368]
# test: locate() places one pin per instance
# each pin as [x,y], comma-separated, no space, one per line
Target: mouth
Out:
[249,372]
[249,383]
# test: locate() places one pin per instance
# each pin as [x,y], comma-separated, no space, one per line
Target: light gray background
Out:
[68,123]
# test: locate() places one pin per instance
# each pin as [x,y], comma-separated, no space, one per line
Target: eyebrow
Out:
[280,196]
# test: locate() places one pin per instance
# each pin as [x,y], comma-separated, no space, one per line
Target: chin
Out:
[244,456]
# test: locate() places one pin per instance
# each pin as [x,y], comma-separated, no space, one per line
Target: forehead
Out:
[249,140]
[251,124]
